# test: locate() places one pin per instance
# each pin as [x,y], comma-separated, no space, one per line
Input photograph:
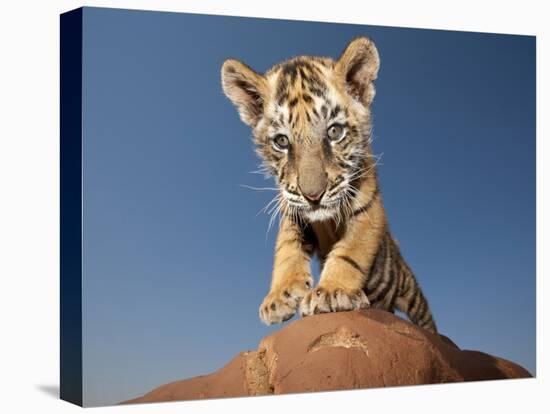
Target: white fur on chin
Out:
[321,214]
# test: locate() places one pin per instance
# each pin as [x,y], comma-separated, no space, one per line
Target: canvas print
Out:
[257,206]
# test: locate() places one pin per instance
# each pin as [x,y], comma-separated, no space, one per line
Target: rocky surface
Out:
[338,351]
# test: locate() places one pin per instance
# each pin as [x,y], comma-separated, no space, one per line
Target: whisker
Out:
[261,171]
[267,206]
[273,216]
[250,187]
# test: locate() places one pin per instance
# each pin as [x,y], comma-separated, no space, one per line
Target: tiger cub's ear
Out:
[358,66]
[246,89]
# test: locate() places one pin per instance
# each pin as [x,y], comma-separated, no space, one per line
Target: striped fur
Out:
[311,121]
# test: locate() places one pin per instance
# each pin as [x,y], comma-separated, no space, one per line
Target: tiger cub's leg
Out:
[345,271]
[412,301]
[291,278]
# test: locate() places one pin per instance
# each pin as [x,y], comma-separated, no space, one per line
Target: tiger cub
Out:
[311,122]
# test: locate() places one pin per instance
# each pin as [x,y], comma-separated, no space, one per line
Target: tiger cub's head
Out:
[311,122]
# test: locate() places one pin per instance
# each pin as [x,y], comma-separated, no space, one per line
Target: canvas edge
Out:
[71,206]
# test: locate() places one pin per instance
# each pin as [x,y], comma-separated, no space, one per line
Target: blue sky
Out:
[176,259]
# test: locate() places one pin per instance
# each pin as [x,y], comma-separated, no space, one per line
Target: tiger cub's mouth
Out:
[327,207]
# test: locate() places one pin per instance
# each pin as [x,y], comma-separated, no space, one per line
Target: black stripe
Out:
[393,293]
[352,262]
[379,260]
[317,91]
[428,319]
[346,144]
[409,282]
[412,303]
[421,312]
[393,297]
[303,73]
[387,280]
[367,206]
[274,123]
[337,181]
[290,69]
[315,112]
[423,316]
[382,294]
[292,103]
[400,277]
[335,111]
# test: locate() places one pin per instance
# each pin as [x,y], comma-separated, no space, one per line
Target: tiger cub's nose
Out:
[312,180]
[314,197]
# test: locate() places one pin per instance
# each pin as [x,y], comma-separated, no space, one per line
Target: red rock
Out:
[339,351]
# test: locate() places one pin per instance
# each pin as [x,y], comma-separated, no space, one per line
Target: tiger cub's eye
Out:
[281,141]
[335,132]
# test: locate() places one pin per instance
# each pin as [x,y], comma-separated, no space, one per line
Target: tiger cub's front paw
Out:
[324,299]
[282,302]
